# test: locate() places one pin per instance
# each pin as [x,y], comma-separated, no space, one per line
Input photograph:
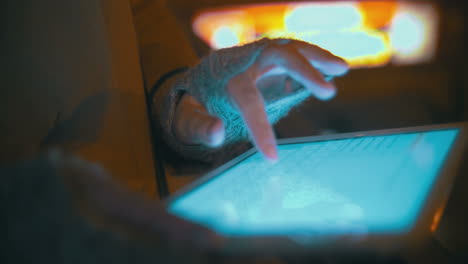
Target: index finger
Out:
[250,103]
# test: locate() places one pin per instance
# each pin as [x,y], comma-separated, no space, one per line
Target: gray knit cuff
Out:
[207,83]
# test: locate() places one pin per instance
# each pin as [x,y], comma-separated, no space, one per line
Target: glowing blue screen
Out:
[355,185]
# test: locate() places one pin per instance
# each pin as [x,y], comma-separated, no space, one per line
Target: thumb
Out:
[194,125]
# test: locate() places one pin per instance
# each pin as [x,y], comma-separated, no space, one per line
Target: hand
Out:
[282,61]
[113,208]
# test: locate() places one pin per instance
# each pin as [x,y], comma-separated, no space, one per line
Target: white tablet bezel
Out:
[434,205]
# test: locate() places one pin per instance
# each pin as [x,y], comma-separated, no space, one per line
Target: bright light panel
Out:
[365,34]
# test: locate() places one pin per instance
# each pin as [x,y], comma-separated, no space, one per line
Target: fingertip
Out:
[335,66]
[215,133]
[271,153]
[342,67]
[325,91]
[272,159]
[327,94]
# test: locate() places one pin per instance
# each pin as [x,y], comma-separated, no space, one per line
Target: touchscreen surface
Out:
[356,185]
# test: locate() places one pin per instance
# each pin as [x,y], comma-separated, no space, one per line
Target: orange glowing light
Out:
[365,34]
[378,14]
[208,25]
[436,219]
[266,17]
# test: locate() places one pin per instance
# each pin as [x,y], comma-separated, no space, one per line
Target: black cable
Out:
[157,143]
[164,78]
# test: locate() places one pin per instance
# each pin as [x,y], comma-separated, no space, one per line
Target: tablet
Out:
[384,187]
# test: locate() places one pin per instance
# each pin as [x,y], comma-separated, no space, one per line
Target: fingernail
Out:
[344,69]
[271,153]
[217,138]
[216,134]
[327,92]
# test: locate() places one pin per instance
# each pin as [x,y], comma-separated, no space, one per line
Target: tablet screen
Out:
[355,185]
